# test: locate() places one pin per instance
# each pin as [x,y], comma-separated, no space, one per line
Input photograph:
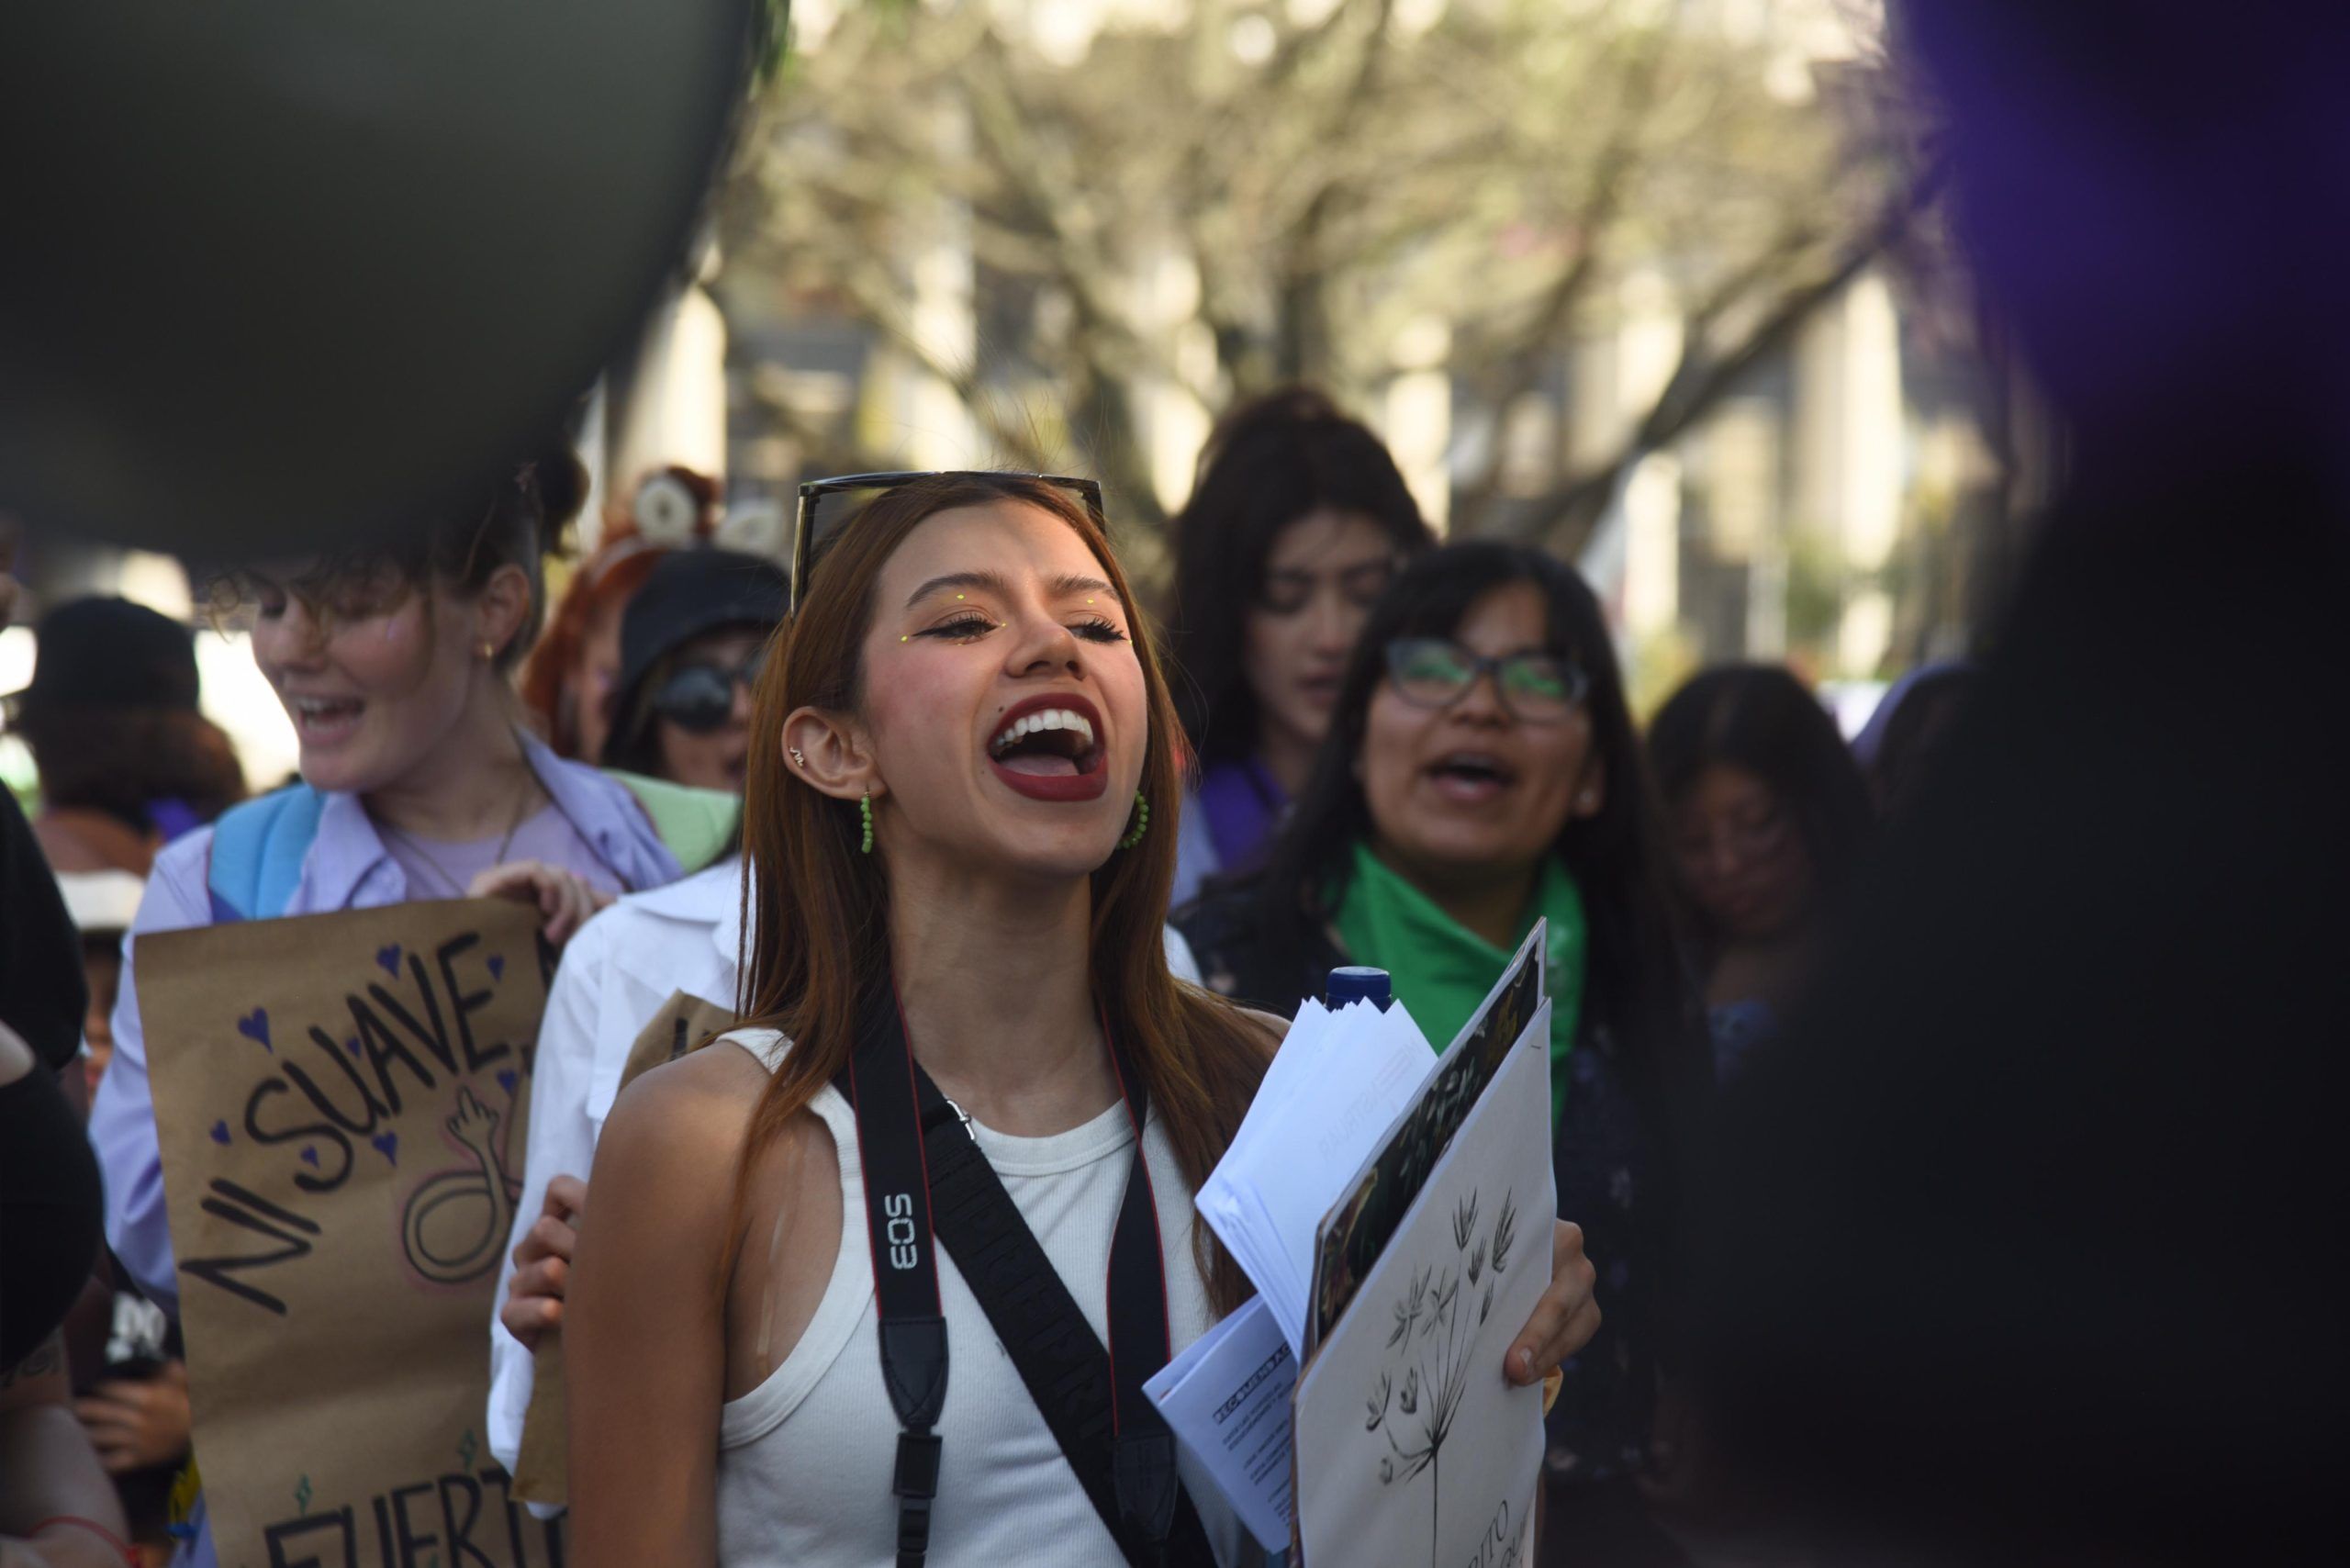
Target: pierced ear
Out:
[503,607]
[827,753]
[1592,793]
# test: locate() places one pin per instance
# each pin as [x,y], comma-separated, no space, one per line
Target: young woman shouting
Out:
[965,674]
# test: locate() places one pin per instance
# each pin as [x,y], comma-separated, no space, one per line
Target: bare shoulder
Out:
[684,1120]
[682,1129]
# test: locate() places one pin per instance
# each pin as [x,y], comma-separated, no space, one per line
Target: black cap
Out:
[111,652]
[690,592]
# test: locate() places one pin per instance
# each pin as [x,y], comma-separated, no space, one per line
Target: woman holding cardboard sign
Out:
[417,784]
[971,1047]
[1483,773]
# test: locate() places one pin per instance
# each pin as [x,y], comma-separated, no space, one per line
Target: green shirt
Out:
[1441,970]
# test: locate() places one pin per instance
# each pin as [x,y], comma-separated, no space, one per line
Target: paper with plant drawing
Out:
[1408,1434]
[339,1100]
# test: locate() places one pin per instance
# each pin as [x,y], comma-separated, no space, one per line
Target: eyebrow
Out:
[1065,586]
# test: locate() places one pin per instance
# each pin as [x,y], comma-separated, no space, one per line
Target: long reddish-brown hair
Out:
[817,926]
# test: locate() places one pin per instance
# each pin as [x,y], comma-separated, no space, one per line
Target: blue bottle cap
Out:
[1358,983]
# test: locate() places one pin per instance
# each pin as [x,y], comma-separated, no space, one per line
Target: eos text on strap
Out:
[928,1184]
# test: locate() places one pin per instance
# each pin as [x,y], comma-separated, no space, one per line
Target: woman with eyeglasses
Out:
[1298,523]
[965,1033]
[1483,773]
[690,645]
[1769,814]
[419,781]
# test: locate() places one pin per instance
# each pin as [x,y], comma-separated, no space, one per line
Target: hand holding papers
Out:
[1394,1214]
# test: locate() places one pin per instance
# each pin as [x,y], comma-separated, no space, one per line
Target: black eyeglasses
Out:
[1435,672]
[813,491]
[701,697]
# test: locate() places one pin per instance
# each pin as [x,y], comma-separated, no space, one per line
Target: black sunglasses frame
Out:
[1480,667]
[813,491]
[665,706]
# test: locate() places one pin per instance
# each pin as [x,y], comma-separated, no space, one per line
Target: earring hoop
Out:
[1142,822]
[865,811]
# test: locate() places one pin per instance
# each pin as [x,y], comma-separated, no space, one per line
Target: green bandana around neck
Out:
[1442,970]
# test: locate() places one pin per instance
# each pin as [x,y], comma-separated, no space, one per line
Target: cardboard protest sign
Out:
[683,1023]
[339,1100]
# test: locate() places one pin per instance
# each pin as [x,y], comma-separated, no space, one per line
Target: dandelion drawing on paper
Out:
[1432,1341]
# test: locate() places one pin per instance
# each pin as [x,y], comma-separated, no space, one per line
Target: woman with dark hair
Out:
[1768,816]
[690,646]
[419,782]
[126,762]
[956,901]
[1482,772]
[1912,722]
[1299,521]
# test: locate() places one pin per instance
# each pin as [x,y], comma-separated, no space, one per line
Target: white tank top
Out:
[805,1459]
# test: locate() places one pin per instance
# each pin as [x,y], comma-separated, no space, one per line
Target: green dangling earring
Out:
[864,814]
[1142,822]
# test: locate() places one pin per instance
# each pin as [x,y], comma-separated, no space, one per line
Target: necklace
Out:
[429,860]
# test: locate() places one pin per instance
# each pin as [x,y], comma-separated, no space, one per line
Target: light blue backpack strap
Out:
[257,854]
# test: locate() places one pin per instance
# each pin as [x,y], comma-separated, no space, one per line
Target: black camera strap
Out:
[926,1178]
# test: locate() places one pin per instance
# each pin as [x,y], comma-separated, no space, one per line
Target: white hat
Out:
[101,902]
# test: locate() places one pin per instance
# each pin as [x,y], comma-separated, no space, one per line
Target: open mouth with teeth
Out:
[322,720]
[1470,776]
[1048,748]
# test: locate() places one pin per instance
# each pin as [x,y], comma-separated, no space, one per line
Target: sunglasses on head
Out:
[701,697]
[813,492]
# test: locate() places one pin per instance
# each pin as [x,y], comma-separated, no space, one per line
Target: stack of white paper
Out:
[1337,1083]
[1228,1398]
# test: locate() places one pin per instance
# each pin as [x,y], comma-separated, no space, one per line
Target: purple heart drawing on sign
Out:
[506,1080]
[388,1145]
[497,966]
[352,1045]
[390,958]
[310,1155]
[220,1134]
[254,1026]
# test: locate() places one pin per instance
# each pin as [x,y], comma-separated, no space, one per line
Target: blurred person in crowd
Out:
[691,643]
[58,1509]
[126,762]
[123,1351]
[419,782]
[569,678]
[2051,1163]
[1482,772]
[1895,749]
[1010,891]
[1768,817]
[101,905]
[1299,521]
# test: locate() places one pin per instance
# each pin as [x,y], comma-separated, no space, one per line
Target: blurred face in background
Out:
[377,674]
[1742,855]
[1322,576]
[595,674]
[703,718]
[1472,793]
